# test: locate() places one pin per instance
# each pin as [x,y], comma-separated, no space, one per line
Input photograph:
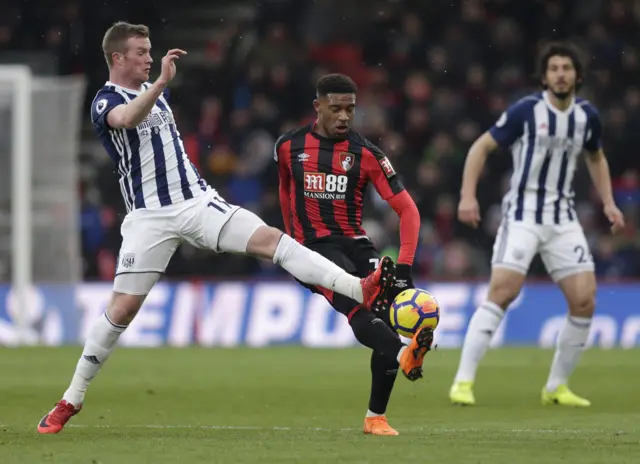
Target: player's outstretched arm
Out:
[407,211]
[388,185]
[600,175]
[130,115]
[468,209]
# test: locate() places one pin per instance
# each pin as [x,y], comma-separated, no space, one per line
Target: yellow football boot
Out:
[462,393]
[564,397]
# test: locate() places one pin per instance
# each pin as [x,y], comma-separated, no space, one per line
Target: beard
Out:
[562,95]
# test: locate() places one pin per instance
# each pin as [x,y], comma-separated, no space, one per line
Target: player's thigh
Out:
[566,252]
[515,246]
[149,240]
[204,221]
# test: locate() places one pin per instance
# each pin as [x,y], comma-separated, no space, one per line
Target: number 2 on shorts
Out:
[583,255]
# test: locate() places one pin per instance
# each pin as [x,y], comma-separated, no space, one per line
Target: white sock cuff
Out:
[284,249]
[492,308]
[579,322]
[115,327]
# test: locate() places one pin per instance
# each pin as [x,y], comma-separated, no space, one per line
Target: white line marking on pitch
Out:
[325,429]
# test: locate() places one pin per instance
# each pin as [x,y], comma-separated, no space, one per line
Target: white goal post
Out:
[19,78]
[39,223]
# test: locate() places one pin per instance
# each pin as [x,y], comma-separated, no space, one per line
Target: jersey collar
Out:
[545,96]
[127,89]
[322,137]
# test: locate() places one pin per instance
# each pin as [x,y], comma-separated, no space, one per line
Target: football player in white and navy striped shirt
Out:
[153,168]
[169,204]
[547,133]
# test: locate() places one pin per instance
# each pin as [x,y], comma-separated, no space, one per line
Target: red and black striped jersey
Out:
[323,181]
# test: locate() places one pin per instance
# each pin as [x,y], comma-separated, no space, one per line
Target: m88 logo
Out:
[320,185]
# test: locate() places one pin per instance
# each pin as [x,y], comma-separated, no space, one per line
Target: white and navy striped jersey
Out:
[545,144]
[153,166]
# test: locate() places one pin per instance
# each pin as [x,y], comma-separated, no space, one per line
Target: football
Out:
[412,309]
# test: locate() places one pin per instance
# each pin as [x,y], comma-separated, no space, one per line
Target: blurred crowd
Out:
[432,75]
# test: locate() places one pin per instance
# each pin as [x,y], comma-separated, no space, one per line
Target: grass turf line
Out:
[302,405]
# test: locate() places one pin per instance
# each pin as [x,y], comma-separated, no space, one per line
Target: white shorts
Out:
[150,237]
[563,248]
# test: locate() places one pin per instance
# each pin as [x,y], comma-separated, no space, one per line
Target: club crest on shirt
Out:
[346,160]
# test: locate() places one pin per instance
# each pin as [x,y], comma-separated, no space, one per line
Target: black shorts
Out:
[356,256]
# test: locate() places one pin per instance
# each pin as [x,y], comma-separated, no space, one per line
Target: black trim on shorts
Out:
[139,272]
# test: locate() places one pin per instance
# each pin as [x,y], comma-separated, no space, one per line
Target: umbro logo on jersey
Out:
[303,157]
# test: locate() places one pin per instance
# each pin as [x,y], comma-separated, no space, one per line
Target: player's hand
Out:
[615,217]
[404,280]
[469,211]
[168,70]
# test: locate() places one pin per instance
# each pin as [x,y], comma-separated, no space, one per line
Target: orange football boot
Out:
[375,287]
[378,426]
[412,357]
[54,421]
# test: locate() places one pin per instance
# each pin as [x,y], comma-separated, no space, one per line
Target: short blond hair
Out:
[117,35]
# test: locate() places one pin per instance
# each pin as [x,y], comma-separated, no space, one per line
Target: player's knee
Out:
[504,289]
[583,305]
[264,241]
[123,308]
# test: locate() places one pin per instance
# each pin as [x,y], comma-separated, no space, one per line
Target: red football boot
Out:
[375,287]
[54,421]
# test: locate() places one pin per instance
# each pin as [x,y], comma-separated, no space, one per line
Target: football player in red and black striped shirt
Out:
[325,168]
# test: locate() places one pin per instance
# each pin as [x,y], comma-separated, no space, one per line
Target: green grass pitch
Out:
[294,405]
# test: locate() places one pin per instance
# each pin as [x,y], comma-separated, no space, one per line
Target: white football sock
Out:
[314,269]
[373,414]
[484,323]
[569,347]
[400,352]
[101,341]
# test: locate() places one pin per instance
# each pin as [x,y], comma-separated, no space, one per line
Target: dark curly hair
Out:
[335,83]
[560,49]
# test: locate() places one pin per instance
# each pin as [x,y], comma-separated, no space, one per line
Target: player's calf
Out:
[579,290]
[101,341]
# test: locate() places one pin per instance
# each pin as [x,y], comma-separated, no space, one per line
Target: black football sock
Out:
[374,333]
[383,376]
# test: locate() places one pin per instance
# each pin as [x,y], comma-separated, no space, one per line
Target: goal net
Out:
[40,121]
